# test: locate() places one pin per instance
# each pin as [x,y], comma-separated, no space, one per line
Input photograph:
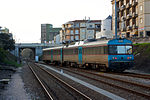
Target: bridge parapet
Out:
[38,47]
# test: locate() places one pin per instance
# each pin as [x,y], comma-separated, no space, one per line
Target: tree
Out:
[6,42]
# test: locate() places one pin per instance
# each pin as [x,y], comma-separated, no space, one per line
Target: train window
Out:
[95,50]
[102,50]
[84,51]
[105,50]
[90,50]
[120,49]
[113,49]
[129,49]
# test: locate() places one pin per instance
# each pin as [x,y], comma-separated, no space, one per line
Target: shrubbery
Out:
[6,45]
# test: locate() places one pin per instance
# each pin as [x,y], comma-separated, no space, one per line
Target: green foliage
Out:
[143,48]
[2,54]
[13,63]
[138,44]
[7,58]
[6,42]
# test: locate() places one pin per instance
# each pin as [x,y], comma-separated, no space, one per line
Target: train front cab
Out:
[120,55]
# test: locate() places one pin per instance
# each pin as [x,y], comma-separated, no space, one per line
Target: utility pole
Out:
[116,20]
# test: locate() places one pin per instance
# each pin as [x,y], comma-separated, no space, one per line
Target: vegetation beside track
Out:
[6,58]
[141,53]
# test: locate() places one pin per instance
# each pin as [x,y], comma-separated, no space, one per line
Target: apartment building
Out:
[48,33]
[133,18]
[6,31]
[79,30]
[106,29]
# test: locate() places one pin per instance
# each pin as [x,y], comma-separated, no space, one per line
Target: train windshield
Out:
[120,49]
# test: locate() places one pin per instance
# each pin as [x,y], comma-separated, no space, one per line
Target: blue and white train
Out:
[113,55]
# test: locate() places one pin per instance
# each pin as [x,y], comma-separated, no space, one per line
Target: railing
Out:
[135,2]
[135,26]
[129,27]
[135,15]
[128,5]
[123,18]
[129,16]
[122,7]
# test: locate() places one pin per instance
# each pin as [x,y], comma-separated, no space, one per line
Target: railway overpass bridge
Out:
[35,47]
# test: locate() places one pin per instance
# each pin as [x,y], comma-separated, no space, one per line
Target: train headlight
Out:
[129,57]
[114,58]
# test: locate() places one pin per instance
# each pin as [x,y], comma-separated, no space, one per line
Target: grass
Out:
[142,47]
[141,44]
[12,63]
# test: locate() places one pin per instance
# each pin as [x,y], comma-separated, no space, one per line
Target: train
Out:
[105,55]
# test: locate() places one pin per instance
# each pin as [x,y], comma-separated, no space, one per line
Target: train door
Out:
[51,55]
[80,55]
[61,55]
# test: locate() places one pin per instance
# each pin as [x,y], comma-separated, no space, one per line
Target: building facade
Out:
[133,18]
[48,33]
[6,31]
[106,29]
[79,30]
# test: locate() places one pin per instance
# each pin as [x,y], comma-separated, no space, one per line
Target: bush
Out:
[7,58]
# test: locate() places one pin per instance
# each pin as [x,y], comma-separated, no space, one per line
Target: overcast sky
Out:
[24,17]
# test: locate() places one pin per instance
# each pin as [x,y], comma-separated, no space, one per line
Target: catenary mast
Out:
[115,19]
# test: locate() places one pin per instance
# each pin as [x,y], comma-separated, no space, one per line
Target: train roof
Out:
[101,42]
[53,48]
[119,42]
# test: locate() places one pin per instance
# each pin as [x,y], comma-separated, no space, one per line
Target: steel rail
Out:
[136,75]
[116,79]
[82,94]
[111,84]
[50,97]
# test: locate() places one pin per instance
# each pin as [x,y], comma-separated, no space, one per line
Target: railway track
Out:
[134,91]
[73,94]
[144,76]
[136,75]
[42,85]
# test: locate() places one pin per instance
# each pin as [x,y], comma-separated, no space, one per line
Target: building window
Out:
[130,1]
[97,26]
[141,20]
[71,32]
[76,31]
[141,8]
[77,37]
[83,31]
[90,31]
[72,38]
[90,26]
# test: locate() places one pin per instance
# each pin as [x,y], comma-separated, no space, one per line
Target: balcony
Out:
[135,2]
[123,29]
[129,28]
[123,18]
[135,15]
[128,5]
[129,16]
[122,7]
[118,19]
[135,26]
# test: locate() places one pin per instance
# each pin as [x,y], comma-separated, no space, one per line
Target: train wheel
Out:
[103,68]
